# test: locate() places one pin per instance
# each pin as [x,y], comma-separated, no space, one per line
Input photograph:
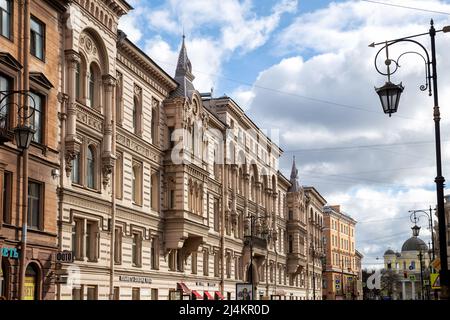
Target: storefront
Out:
[3,278]
[32,282]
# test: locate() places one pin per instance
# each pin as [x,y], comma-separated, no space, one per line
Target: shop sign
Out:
[10,253]
[136,279]
[64,256]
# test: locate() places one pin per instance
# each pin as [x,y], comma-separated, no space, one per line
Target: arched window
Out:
[136,184]
[90,161]
[92,79]
[31,283]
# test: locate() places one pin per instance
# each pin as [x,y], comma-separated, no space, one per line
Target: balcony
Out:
[295,262]
[182,225]
[257,242]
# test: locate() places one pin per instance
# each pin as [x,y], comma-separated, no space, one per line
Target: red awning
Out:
[197,295]
[183,287]
[218,294]
[208,295]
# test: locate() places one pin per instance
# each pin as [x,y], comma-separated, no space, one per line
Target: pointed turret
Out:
[183,74]
[294,178]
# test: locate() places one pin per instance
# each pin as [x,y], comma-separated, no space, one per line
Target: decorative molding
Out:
[108,161]
[89,118]
[73,147]
[137,147]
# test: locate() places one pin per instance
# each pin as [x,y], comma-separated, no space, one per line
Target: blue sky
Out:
[303,67]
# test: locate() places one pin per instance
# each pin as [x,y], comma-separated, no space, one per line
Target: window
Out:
[136,249]
[116,293]
[5,85]
[78,81]
[154,294]
[291,244]
[90,167]
[172,199]
[154,192]
[154,254]
[194,262]
[136,184]
[5,18]
[92,80]
[92,240]
[76,169]
[77,239]
[118,245]
[37,38]
[172,259]
[216,215]
[136,294]
[118,177]
[135,115]
[77,293]
[228,266]
[154,126]
[180,260]
[119,99]
[6,197]
[170,133]
[92,293]
[35,205]
[216,265]
[205,263]
[36,102]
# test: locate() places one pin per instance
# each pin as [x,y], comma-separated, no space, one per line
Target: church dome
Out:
[414,244]
[389,251]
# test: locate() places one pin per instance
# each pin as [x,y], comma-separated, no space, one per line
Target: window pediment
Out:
[10,61]
[41,79]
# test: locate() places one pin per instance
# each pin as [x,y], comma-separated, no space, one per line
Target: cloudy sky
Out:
[304,67]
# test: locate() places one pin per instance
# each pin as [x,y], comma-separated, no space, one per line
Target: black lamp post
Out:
[23,133]
[414,217]
[390,96]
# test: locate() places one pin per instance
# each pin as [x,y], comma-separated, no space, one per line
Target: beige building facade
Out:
[341,270]
[167,192]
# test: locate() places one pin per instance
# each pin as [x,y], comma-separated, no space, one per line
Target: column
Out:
[413,290]
[107,156]
[71,141]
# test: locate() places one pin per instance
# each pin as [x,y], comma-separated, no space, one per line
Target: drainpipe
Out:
[113,198]
[25,83]
[222,229]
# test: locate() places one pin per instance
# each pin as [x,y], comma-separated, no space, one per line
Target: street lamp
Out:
[414,217]
[265,233]
[23,134]
[390,95]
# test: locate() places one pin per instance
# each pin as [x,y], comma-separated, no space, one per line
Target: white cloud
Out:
[321,95]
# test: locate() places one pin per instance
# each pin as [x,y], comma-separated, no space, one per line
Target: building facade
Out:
[407,271]
[138,186]
[167,192]
[30,67]
[340,270]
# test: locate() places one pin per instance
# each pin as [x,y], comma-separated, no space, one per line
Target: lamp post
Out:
[23,134]
[265,232]
[416,218]
[421,273]
[389,95]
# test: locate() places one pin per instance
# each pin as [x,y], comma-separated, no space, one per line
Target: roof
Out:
[183,74]
[389,251]
[294,178]
[414,244]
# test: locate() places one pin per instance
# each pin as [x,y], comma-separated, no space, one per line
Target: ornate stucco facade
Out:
[154,188]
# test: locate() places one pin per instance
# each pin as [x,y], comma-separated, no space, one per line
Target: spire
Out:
[183,73]
[294,178]
[184,67]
